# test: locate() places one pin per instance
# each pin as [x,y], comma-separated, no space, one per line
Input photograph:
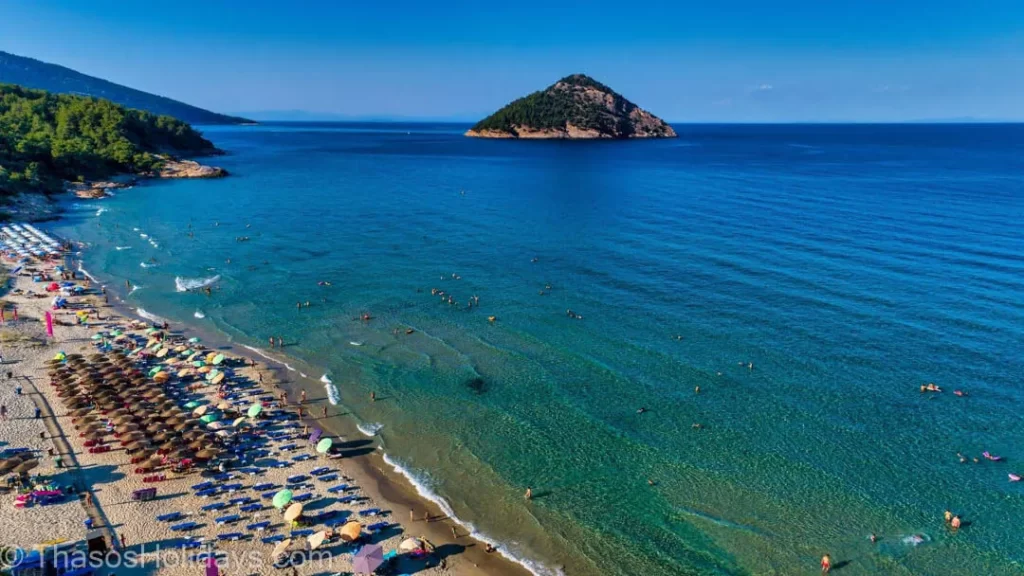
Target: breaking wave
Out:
[189,284]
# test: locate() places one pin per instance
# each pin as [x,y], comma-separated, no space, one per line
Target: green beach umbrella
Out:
[282,498]
[255,410]
[206,419]
[212,374]
[193,340]
[198,363]
[324,445]
[186,352]
[116,333]
[218,359]
[192,404]
[97,336]
[154,370]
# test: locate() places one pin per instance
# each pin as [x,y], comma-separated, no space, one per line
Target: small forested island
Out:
[575,107]
[52,142]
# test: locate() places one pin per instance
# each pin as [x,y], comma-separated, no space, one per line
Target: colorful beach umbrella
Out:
[218,359]
[282,498]
[208,418]
[350,532]
[254,410]
[324,445]
[293,512]
[368,559]
[316,539]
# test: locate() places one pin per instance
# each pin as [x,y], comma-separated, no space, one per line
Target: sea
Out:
[703,355]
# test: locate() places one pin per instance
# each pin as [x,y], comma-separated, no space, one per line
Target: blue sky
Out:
[713,60]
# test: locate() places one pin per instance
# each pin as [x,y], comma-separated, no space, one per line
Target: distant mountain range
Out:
[32,73]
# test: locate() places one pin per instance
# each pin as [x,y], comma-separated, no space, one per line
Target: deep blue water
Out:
[848,264]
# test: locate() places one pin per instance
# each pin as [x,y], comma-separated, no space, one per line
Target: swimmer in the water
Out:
[641,410]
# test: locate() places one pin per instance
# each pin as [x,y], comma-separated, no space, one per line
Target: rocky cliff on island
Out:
[575,107]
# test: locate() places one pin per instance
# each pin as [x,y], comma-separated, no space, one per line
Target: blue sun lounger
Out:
[169,517]
[214,506]
[338,488]
[203,486]
[328,477]
[190,544]
[302,457]
[239,501]
[319,471]
[229,519]
[250,470]
[258,526]
[272,539]
[222,477]
[289,447]
[370,512]
[303,532]
[184,526]
[268,495]
[231,487]
[346,499]
[302,497]
[279,464]
[263,487]
[231,536]
[378,526]
[335,522]
[255,507]
[207,493]
[297,479]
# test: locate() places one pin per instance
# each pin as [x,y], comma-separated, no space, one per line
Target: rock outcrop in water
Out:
[575,107]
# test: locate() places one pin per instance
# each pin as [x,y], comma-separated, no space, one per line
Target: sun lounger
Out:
[184,526]
[230,518]
[319,471]
[338,488]
[231,536]
[231,487]
[279,464]
[203,486]
[272,539]
[302,497]
[251,507]
[259,526]
[328,477]
[268,495]
[189,544]
[370,512]
[239,501]
[346,499]
[303,532]
[170,517]
[214,506]
[207,493]
[335,522]
[263,487]
[297,479]
[289,447]
[302,457]
[251,471]
[222,477]
[378,526]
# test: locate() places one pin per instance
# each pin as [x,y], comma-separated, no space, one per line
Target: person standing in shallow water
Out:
[826,564]
[529,493]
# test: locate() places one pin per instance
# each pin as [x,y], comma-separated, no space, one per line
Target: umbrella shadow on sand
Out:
[406,564]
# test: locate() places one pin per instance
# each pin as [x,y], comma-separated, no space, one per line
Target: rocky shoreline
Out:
[172,168]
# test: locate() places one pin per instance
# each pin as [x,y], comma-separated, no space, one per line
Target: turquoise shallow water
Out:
[849,264]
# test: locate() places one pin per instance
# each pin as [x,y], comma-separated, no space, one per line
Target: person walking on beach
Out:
[529,493]
[412,515]
[39,413]
[124,542]
[302,397]
[325,411]
[373,396]
[3,412]
[826,564]
[280,342]
[271,341]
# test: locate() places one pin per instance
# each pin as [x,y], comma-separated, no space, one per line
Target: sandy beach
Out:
[104,482]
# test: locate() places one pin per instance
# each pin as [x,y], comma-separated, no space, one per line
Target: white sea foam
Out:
[271,358]
[135,229]
[134,288]
[151,317]
[424,490]
[326,379]
[86,273]
[199,314]
[333,396]
[119,248]
[189,284]
[153,243]
[100,211]
[370,429]
[143,236]
[147,264]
